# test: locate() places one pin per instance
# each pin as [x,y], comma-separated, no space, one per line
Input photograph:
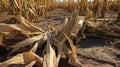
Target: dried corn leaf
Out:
[34,48]
[16,27]
[28,41]
[71,45]
[15,2]
[60,46]
[72,55]
[32,12]
[26,23]
[21,60]
[31,64]
[5,17]
[9,27]
[50,57]
[27,31]
[10,30]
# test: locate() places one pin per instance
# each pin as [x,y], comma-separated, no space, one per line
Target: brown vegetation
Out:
[18,30]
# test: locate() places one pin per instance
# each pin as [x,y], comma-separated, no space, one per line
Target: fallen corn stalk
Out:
[21,60]
[53,50]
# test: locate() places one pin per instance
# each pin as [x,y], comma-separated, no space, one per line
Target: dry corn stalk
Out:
[31,9]
[104,9]
[50,58]
[21,60]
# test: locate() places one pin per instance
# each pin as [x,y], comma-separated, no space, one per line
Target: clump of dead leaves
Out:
[25,34]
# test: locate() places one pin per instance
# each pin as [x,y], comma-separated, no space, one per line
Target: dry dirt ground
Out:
[92,51]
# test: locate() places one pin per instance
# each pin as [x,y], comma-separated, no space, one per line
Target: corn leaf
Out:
[21,60]
[27,42]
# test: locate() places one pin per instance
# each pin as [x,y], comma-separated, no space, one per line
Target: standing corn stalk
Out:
[118,4]
[104,9]
[96,8]
[118,17]
[83,7]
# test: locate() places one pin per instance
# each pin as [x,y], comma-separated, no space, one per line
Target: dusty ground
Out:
[95,52]
[92,51]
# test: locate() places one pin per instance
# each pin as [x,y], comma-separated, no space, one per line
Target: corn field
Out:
[20,35]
